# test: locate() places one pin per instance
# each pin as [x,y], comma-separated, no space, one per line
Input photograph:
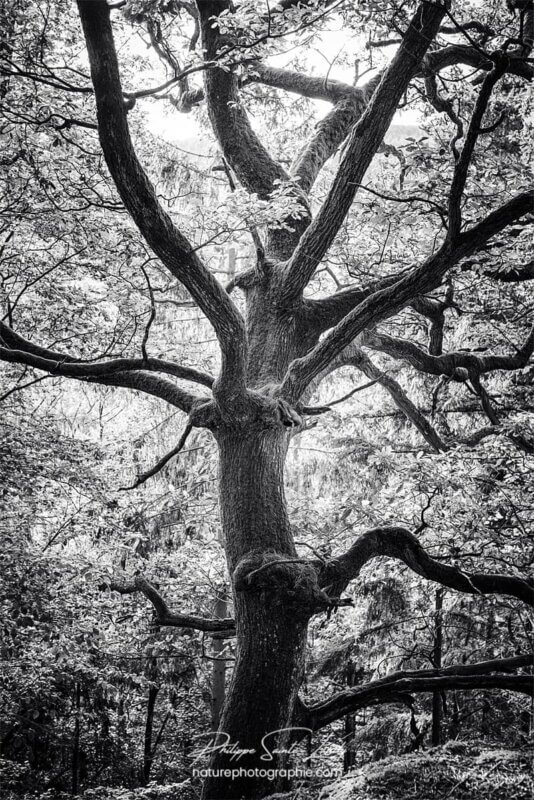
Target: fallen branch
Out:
[399,686]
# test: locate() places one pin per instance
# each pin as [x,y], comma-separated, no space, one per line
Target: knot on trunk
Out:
[276,410]
[291,582]
[287,415]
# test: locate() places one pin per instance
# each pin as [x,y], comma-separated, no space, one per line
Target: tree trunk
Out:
[218,675]
[76,743]
[437,697]
[272,605]
[349,726]
[149,726]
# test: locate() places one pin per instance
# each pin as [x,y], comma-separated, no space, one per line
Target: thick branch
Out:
[255,168]
[434,310]
[350,101]
[390,300]
[140,199]
[329,311]
[162,613]
[475,364]
[102,368]
[140,380]
[401,544]
[472,57]
[253,165]
[312,86]
[400,685]
[400,398]
[364,141]
[121,372]
[503,274]
[329,134]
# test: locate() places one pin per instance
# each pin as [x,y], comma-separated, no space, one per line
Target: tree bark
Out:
[218,675]
[271,611]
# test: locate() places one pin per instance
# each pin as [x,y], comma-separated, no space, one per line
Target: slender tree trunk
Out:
[149,726]
[487,705]
[272,602]
[437,699]
[76,743]
[455,721]
[349,727]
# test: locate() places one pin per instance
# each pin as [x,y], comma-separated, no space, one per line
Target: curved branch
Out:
[329,134]
[400,685]
[515,274]
[140,380]
[139,198]
[433,310]
[161,610]
[350,101]
[448,363]
[401,544]
[388,301]
[162,462]
[472,57]
[102,368]
[121,372]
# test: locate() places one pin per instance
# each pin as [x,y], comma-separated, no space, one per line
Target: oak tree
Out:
[277,340]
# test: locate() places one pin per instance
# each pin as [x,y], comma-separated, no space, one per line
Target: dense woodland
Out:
[266,393]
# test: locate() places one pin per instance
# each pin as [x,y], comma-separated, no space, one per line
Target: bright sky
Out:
[328,57]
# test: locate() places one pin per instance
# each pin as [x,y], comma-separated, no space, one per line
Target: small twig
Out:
[495,125]
[411,199]
[424,524]
[19,386]
[152,314]
[161,463]
[314,551]
[315,410]
[276,563]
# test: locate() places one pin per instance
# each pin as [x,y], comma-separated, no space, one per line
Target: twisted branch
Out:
[401,544]
[161,610]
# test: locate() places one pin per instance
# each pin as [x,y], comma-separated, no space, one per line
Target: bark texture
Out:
[271,607]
